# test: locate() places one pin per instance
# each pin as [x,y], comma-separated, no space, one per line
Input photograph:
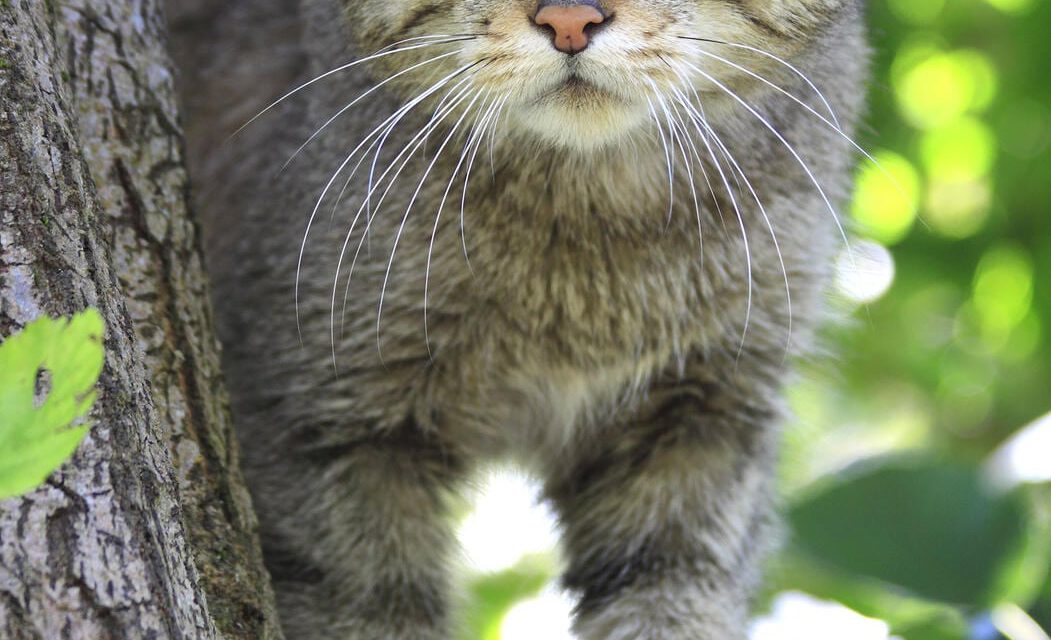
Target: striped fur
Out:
[626,347]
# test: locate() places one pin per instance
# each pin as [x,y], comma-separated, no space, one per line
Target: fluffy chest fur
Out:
[599,259]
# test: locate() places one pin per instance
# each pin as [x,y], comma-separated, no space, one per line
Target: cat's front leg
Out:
[357,537]
[666,523]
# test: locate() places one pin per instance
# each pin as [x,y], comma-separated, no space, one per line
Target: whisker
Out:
[700,107]
[482,111]
[350,176]
[442,103]
[744,235]
[405,155]
[412,201]
[676,141]
[410,148]
[832,125]
[369,213]
[492,140]
[667,155]
[778,59]
[382,53]
[762,209]
[467,175]
[788,147]
[358,99]
[394,118]
[674,125]
[695,154]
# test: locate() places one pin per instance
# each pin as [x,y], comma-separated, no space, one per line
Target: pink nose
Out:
[570,24]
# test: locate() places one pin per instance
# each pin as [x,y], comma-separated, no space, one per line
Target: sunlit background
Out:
[917,472]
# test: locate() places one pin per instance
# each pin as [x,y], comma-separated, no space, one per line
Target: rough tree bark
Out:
[148,532]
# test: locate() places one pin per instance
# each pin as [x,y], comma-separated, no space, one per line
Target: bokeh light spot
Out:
[934,91]
[886,197]
[1024,457]
[865,272]
[958,209]
[917,12]
[985,79]
[1003,292]
[506,523]
[1011,6]
[934,88]
[798,615]
[1025,128]
[961,150]
[1025,339]
[547,616]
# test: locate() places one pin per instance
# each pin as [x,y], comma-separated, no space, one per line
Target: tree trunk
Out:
[148,531]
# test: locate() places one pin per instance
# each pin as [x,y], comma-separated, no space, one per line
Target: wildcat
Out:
[586,236]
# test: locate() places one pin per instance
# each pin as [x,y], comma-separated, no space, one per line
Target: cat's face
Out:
[588,72]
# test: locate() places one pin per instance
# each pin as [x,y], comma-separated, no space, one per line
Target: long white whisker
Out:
[780,60]
[700,163]
[392,120]
[382,53]
[762,209]
[412,201]
[350,176]
[832,125]
[695,154]
[675,141]
[482,110]
[492,141]
[674,125]
[369,189]
[358,99]
[788,147]
[442,102]
[667,156]
[410,149]
[744,235]
[467,175]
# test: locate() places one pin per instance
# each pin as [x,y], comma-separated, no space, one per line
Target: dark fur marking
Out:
[414,600]
[765,26]
[706,421]
[285,565]
[407,437]
[421,15]
[693,415]
[601,577]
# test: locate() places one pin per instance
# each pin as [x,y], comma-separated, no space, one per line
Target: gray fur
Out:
[592,337]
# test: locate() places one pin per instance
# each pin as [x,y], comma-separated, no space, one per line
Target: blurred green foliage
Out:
[887,466]
[960,102]
[955,358]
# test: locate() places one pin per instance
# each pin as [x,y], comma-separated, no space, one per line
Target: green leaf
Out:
[930,527]
[37,434]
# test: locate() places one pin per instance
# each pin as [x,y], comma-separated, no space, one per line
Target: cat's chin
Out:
[581,117]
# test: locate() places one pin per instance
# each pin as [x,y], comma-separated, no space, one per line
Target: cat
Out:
[590,237]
